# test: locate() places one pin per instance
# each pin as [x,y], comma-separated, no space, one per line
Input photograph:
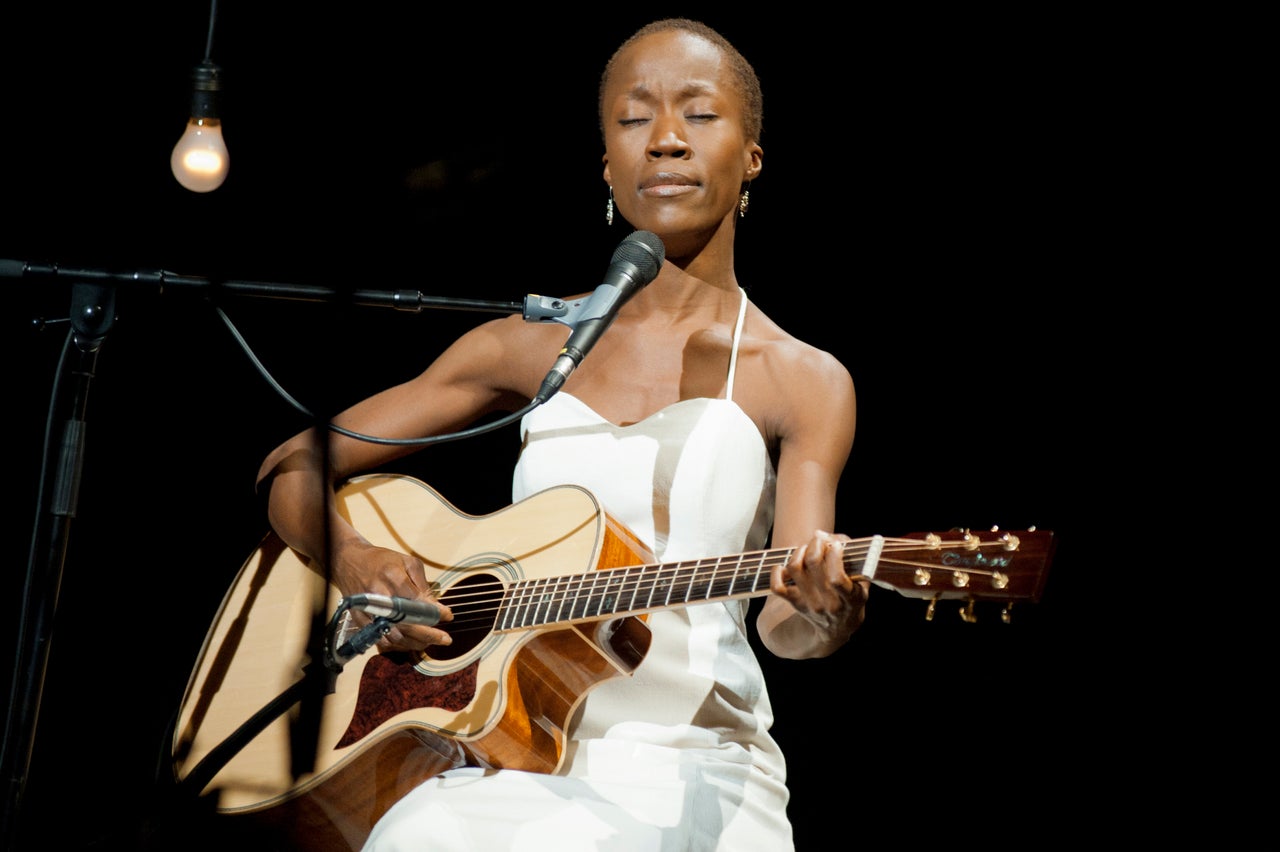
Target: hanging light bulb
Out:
[200,160]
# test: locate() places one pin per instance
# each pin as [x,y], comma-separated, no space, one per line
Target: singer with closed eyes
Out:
[698,423]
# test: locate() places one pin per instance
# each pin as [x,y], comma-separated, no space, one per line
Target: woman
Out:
[699,424]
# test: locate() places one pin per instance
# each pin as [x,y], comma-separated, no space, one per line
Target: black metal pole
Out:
[92,315]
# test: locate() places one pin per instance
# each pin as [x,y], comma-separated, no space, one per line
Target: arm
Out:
[815,606]
[466,382]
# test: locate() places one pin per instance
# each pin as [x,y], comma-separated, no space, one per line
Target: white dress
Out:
[678,756]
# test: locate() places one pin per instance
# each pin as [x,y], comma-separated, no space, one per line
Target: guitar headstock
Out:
[967,565]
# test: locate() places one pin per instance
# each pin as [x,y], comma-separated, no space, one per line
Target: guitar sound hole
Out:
[474,601]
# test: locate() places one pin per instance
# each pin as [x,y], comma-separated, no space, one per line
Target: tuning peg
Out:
[966,613]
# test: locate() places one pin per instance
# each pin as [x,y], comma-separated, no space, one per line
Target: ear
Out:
[607,178]
[754,161]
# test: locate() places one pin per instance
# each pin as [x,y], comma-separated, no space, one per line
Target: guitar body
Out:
[391,721]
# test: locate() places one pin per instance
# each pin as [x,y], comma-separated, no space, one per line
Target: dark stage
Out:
[918,215]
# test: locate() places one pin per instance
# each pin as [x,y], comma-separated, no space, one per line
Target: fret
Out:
[681,582]
[662,585]
[543,598]
[572,596]
[563,584]
[609,598]
[761,574]
[528,600]
[635,585]
[511,606]
[655,585]
[599,584]
[733,578]
[703,581]
[752,575]
[721,583]
[715,581]
[582,602]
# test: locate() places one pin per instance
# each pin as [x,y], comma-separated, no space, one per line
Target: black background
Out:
[930,211]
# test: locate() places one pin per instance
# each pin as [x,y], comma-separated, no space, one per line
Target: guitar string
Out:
[667,580]
[597,588]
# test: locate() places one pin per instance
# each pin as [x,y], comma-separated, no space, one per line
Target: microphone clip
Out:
[552,309]
[345,644]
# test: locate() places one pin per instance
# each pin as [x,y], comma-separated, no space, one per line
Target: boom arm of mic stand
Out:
[534,308]
[162,281]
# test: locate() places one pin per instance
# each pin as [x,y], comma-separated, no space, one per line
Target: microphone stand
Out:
[93,313]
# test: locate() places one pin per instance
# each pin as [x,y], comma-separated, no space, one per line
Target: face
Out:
[675,152]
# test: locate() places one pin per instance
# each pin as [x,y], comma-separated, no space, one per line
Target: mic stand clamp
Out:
[364,639]
[548,309]
[551,309]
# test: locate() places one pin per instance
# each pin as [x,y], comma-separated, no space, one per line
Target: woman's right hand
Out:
[363,568]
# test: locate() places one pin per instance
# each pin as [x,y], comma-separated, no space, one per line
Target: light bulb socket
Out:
[206,82]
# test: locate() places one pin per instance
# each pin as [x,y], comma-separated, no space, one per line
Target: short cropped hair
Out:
[743,74]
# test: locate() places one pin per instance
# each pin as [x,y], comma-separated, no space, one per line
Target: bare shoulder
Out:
[780,376]
[510,352]
[511,332]
[784,355]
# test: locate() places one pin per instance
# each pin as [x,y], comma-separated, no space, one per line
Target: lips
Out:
[667,179]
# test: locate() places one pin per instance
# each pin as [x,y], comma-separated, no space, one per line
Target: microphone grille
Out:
[643,249]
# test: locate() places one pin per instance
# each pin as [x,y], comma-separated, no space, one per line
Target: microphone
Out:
[397,609]
[636,262]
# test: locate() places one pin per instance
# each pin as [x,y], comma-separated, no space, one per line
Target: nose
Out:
[668,138]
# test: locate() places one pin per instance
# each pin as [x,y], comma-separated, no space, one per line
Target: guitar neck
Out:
[967,565]
[636,589]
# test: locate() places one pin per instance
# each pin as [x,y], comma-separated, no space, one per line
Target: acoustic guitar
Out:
[549,597]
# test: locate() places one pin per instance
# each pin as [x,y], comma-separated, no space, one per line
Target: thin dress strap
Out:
[737,336]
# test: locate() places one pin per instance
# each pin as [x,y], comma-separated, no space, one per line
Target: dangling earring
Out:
[608,210]
[743,200]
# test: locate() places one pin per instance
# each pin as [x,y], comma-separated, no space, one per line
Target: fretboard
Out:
[635,589]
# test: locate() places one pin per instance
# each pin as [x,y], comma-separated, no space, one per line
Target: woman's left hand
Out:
[818,584]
